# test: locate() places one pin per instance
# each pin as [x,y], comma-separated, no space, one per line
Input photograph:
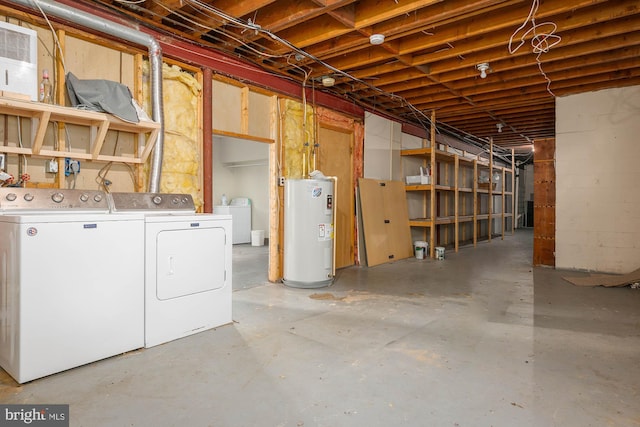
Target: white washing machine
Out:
[188,276]
[240,211]
[71,281]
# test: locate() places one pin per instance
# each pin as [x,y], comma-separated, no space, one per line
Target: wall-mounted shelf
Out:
[41,115]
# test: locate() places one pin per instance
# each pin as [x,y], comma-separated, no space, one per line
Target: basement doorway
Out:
[241,172]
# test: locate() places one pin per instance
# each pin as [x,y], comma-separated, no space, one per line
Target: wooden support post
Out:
[138,63]
[60,84]
[502,202]
[275,248]
[244,110]
[490,222]
[513,191]
[475,202]
[432,193]
[456,235]
[207,140]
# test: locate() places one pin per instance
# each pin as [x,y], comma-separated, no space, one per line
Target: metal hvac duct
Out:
[104,26]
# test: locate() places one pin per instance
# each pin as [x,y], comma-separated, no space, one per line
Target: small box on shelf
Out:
[423,179]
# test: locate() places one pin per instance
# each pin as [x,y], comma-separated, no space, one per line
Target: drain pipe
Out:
[104,26]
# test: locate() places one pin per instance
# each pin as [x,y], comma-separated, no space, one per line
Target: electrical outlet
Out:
[281,181]
[51,166]
[71,166]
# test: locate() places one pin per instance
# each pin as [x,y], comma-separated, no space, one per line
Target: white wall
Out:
[382,145]
[241,169]
[597,179]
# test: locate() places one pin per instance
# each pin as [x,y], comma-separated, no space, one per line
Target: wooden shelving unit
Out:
[453,202]
[41,115]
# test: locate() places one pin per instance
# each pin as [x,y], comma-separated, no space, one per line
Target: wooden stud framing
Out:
[244,110]
[432,194]
[490,222]
[513,191]
[475,202]
[275,193]
[456,203]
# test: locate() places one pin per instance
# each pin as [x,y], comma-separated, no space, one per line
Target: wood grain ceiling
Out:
[429,58]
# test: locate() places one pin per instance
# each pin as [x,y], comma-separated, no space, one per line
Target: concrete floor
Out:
[479,339]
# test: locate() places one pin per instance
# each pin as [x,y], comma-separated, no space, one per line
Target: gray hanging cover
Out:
[102,95]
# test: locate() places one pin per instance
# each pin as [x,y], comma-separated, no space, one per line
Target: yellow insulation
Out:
[182,148]
[298,140]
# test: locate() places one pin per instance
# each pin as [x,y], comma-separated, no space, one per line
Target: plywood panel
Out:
[259,110]
[335,159]
[375,235]
[80,59]
[227,107]
[385,221]
[397,220]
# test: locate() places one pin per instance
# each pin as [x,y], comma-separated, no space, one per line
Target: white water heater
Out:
[18,55]
[309,207]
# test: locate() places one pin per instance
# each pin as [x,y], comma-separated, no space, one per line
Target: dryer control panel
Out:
[152,202]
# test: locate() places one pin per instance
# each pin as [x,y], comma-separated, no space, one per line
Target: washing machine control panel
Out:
[153,202]
[14,199]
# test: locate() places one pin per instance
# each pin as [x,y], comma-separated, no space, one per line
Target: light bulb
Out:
[483,67]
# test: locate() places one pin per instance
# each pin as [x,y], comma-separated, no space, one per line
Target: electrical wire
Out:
[53,33]
[228,20]
[194,22]
[101,177]
[289,45]
[544,38]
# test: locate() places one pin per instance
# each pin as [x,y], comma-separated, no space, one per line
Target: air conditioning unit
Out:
[18,66]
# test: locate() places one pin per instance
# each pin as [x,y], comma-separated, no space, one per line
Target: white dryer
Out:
[71,281]
[188,276]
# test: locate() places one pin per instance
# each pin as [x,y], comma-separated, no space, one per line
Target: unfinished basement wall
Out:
[382,145]
[181,164]
[597,197]
[80,52]
[244,127]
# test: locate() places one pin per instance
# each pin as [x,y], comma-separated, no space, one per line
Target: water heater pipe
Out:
[104,26]
[335,222]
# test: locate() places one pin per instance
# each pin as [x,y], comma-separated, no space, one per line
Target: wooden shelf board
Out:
[121,159]
[100,124]
[443,220]
[418,187]
[445,188]
[56,153]
[426,153]
[420,222]
[14,150]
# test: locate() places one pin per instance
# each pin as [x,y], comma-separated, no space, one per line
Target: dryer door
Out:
[189,261]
